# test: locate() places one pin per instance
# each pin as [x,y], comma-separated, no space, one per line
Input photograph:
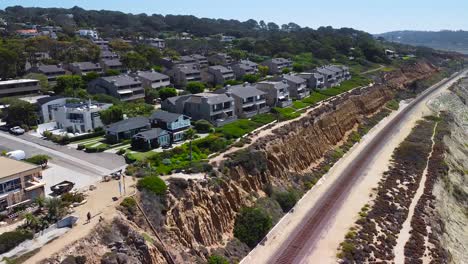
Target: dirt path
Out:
[99,203]
[404,234]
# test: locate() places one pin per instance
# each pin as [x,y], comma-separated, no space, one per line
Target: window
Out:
[10,186]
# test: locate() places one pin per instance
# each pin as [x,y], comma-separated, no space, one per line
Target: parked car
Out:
[5,128]
[62,187]
[17,130]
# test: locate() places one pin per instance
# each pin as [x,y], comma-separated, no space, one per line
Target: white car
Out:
[17,130]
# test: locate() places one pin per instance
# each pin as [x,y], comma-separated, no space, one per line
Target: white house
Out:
[80,117]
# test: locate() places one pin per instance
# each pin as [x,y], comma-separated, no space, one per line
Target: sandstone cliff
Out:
[200,215]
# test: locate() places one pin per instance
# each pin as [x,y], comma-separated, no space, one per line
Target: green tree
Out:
[189,135]
[252,224]
[21,113]
[111,115]
[237,54]
[202,126]
[195,87]
[9,61]
[68,82]
[55,209]
[120,46]
[90,76]
[167,92]
[43,80]
[151,94]
[134,61]
[286,70]
[250,78]
[39,159]
[263,70]
[153,184]
[216,259]
[286,200]
[151,54]
[112,72]
[297,67]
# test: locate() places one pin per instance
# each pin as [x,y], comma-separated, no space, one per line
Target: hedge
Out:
[10,240]
[86,136]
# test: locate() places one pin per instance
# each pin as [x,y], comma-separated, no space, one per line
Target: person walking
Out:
[89,217]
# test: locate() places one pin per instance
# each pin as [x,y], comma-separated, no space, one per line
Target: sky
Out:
[373,16]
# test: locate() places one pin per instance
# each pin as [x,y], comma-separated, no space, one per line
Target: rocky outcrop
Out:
[199,216]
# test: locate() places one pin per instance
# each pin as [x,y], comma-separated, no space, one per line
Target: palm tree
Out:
[54,207]
[190,135]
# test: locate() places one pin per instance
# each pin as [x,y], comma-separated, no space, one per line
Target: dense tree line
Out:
[262,38]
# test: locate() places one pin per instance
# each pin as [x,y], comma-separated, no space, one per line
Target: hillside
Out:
[442,40]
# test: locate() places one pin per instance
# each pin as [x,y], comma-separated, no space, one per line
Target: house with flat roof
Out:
[220,59]
[127,128]
[83,68]
[184,73]
[329,76]
[155,42]
[219,74]
[276,65]
[201,60]
[248,100]
[277,93]
[19,183]
[112,64]
[123,87]
[82,117]
[154,79]
[297,86]
[48,105]
[244,67]
[175,124]
[51,71]
[88,33]
[19,87]
[215,108]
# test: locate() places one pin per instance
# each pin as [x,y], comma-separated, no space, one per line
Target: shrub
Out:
[195,87]
[287,200]
[251,160]
[153,184]
[202,126]
[251,225]
[121,151]
[215,259]
[39,159]
[9,240]
[70,198]
[80,147]
[393,104]
[98,132]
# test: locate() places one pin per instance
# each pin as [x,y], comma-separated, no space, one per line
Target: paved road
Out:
[95,164]
[304,237]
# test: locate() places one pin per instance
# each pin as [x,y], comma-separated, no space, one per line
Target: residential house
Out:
[88,33]
[19,87]
[215,108]
[201,60]
[244,67]
[156,42]
[220,59]
[102,44]
[276,65]
[112,64]
[82,117]
[19,184]
[83,68]
[151,139]
[48,105]
[248,100]
[27,33]
[51,71]
[297,86]
[329,77]
[227,38]
[219,74]
[184,73]
[175,124]
[108,55]
[127,128]
[153,79]
[186,60]
[123,87]
[277,93]
[315,80]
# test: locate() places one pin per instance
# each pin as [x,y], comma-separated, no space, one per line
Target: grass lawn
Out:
[141,155]
[89,140]
[300,104]
[263,119]
[238,128]
[287,113]
[314,98]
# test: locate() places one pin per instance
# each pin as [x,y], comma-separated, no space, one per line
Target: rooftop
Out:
[11,167]
[50,68]
[17,81]
[86,65]
[121,80]
[222,69]
[165,116]
[128,124]
[244,90]
[152,133]
[152,75]
[294,78]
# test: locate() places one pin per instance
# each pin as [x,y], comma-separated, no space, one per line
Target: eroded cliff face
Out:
[451,191]
[200,215]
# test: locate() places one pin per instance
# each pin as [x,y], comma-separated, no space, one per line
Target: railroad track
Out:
[306,235]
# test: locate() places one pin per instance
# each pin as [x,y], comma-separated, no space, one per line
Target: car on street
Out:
[17,130]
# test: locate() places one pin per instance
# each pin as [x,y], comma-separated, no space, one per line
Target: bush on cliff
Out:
[216,259]
[252,224]
[10,240]
[287,199]
[153,184]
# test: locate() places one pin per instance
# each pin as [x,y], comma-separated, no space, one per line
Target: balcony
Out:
[284,103]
